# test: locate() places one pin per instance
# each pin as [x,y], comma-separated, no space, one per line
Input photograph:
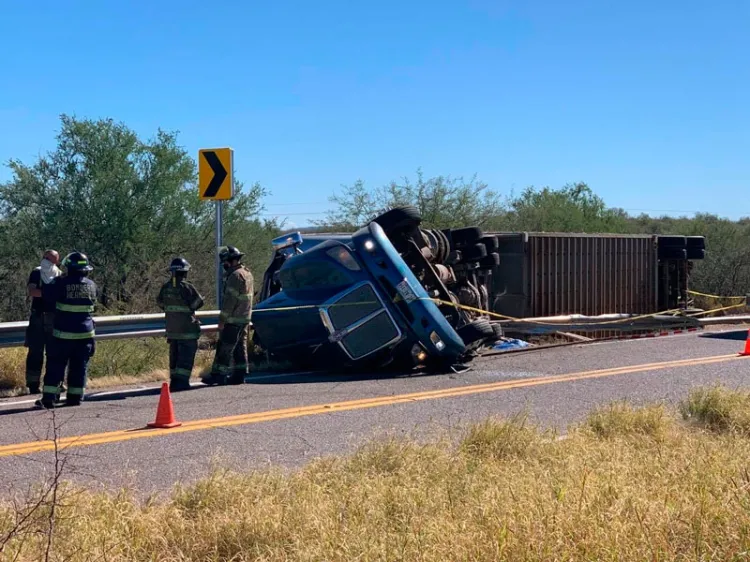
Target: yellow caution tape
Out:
[675,311]
[741,305]
[715,296]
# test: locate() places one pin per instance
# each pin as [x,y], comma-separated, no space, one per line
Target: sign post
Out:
[219,244]
[216,183]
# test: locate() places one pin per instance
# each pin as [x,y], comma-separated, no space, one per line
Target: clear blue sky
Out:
[648,102]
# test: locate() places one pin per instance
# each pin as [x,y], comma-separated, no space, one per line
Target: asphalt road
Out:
[290,419]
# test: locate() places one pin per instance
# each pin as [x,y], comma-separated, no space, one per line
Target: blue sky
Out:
[645,101]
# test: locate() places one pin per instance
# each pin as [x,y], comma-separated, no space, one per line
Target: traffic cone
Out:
[164,413]
[747,345]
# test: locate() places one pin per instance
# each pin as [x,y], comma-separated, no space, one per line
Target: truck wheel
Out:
[433,244]
[466,236]
[399,219]
[491,242]
[498,330]
[478,330]
[672,253]
[475,252]
[672,241]
[490,261]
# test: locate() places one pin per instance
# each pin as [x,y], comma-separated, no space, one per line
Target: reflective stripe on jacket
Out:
[73,298]
[237,305]
[179,300]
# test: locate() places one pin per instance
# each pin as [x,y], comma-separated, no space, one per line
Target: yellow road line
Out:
[287,413]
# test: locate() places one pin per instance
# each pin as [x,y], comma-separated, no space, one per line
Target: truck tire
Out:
[672,241]
[466,236]
[478,330]
[491,242]
[492,260]
[433,244]
[445,244]
[475,252]
[498,330]
[399,219]
[672,253]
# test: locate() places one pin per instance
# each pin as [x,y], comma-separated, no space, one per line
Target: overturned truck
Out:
[386,295]
[382,297]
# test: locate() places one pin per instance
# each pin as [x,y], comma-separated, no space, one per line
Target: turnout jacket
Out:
[73,298]
[237,305]
[179,299]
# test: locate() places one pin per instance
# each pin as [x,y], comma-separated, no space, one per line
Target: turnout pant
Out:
[38,335]
[181,359]
[73,355]
[232,346]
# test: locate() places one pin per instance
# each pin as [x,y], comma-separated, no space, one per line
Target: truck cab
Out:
[351,302]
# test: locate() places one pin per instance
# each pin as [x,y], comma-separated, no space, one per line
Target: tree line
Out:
[131,204]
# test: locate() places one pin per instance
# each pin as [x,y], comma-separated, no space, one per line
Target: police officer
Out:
[39,330]
[179,299]
[72,345]
[234,319]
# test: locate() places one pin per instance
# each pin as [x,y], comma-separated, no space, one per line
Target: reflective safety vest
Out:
[73,299]
[237,305]
[179,300]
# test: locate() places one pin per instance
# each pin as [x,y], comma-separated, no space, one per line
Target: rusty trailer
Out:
[551,274]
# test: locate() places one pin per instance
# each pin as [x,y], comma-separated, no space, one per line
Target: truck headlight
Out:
[418,354]
[437,342]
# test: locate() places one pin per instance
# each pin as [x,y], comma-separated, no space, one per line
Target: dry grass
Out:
[719,409]
[120,362]
[628,484]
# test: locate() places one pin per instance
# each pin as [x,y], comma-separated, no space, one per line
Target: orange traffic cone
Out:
[164,413]
[747,345]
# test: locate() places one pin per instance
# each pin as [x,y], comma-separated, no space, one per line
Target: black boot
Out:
[47,402]
[73,400]
[176,385]
[214,379]
[236,378]
[34,388]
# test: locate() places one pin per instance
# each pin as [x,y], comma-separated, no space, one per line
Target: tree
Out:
[573,208]
[444,202]
[130,204]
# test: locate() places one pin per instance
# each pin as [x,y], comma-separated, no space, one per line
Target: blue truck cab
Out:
[351,301]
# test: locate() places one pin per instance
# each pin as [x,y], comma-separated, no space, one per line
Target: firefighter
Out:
[234,320]
[39,330]
[179,299]
[72,344]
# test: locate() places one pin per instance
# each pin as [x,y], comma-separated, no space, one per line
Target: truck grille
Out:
[370,336]
[353,307]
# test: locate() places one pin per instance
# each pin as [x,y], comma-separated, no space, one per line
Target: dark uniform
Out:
[236,311]
[179,299]
[72,343]
[38,334]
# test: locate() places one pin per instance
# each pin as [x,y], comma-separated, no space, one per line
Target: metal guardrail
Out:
[12,334]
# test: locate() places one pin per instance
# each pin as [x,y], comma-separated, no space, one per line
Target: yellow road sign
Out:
[215,180]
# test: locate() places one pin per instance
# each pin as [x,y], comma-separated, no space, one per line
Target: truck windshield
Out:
[317,274]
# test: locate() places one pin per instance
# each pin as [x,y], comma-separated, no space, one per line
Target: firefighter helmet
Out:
[230,253]
[77,262]
[179,265]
